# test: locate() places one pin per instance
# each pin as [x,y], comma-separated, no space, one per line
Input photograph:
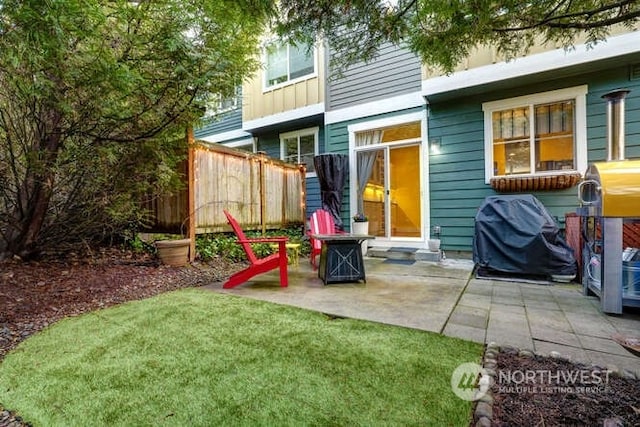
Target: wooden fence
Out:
[260,192]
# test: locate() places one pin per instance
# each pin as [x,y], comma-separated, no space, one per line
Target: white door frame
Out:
[425,220]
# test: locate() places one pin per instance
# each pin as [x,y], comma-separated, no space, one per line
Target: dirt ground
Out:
[35,294]
[561,393]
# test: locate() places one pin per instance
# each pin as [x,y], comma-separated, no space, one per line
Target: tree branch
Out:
[553,21]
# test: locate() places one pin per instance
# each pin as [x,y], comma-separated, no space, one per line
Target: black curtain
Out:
[332,172]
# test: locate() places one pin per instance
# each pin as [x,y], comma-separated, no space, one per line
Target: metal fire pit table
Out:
[341,257]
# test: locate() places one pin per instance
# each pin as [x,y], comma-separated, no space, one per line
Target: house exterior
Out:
[279,112]
[425,149]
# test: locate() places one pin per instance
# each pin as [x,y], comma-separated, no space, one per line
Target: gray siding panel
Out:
[225,122]
[395,71]
[456,179]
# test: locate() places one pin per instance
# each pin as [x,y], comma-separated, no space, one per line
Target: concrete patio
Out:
[445,298]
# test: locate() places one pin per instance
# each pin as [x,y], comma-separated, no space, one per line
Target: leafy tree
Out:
[443,32]
[94,100]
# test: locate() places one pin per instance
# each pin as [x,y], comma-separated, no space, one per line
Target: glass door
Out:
[391,197]
[372,202]
[404,191]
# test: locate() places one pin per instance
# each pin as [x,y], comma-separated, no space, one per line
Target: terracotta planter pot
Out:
[174,252]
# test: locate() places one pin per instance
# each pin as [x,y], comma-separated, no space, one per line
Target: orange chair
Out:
[321,222]
[258,265]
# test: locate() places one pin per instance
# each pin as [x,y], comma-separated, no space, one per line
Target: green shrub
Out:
[225,245]
[133,242]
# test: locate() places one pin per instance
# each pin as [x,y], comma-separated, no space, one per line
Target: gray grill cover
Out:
[516,234]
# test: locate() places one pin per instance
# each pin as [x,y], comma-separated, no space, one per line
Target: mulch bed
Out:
[34,295]
[557,392]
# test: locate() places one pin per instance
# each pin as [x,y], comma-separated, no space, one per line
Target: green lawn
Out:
[194,357]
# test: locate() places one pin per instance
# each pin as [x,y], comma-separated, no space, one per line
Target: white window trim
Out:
[315,131]
[578,93]
[266,88]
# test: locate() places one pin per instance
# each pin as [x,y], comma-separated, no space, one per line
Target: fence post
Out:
[284,200]
[191,200]
[302,168]
[263,183]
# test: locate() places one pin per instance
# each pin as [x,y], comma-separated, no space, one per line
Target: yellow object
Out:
[294,250]
[619,187]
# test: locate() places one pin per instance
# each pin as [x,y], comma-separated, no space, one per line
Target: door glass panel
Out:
[400,133]
[404,191]
[373,194]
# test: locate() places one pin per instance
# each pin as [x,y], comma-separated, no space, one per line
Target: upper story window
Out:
[231,102]
[536,134]
[300,147]
[287,62]
[221,104]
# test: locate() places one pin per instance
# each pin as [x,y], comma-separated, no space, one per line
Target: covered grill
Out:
[610,197]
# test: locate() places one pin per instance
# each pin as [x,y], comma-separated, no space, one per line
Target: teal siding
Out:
[596,113]
[456,179]
[337,141]
[313,200]
[269,144]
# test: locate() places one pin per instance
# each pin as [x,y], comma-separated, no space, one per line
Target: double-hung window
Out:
[230,102]
[221,104]
[537,134]
[300,147]
[287,62]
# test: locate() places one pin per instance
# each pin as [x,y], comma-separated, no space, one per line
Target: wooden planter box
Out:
[517,184]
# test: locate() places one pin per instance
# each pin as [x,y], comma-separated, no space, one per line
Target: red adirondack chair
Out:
[321,222]
[258,265]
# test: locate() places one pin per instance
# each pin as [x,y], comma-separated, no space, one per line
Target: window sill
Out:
[515,184]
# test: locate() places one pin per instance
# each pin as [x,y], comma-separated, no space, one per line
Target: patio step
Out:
[400,253]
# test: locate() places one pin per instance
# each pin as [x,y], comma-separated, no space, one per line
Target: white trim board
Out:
[546,61]
[383,123]
[226,136]
[283,117]
[381,106]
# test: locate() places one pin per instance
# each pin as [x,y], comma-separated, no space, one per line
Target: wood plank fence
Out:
[260,192]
